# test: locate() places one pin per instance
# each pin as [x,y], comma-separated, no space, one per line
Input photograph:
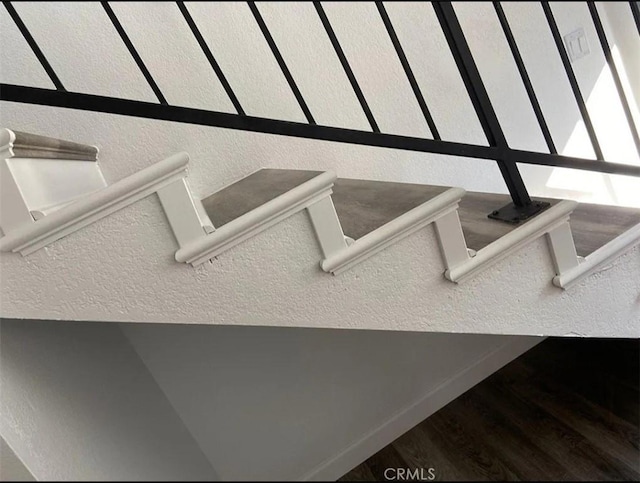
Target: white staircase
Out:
[271,250]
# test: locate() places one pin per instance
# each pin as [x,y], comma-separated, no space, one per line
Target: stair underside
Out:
[363,206]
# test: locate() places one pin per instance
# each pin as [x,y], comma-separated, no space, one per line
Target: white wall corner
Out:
[410,416]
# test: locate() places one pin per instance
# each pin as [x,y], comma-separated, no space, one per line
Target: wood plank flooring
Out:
[567,410]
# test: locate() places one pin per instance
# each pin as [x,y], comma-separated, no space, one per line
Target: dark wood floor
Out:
[566,410]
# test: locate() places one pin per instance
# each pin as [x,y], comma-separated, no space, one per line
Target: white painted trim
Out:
[7,138]
[601,256]
[512,241]
[250,224]
[26,145]
[14,212]
[327,226]
[394,231]
[181,211]
[453,246]
[372,442]
[563,248]
[97,205]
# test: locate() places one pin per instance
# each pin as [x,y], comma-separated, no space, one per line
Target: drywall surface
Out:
[78,404]
[11,468]
[122,268]
[291,404]
[166,45]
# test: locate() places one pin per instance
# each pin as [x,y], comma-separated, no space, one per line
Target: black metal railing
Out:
[522,206]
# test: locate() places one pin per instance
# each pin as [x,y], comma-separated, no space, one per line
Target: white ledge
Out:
[512,241]
[393,231]
[92,207]
[250,224]
[601,256]
[26,145]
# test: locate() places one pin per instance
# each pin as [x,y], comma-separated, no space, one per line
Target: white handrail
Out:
[512,241]
[393,231]
[28,238]
[602,255]
[202,249]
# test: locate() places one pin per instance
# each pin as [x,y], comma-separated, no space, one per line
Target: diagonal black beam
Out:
[150,110]
[209,55]
[586,118]
[480,99]
[283,65]
[525,77]
[134,53]
[606,49]
[34,46]
[635,11]
[407,70]
[345,65]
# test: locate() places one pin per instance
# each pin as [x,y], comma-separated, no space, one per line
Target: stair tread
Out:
[364,205]
[249,193]
[592,225]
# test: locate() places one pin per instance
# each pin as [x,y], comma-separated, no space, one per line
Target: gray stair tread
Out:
[256,189]
[593,226]
[596,225]
[363,206]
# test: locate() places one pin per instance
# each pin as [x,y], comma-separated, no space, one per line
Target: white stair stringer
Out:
[122,268]
[199,250]
[29,237]
[554,218]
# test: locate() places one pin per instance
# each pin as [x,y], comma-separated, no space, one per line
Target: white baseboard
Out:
[372,442]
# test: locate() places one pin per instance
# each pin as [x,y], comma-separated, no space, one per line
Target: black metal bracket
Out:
[514,214]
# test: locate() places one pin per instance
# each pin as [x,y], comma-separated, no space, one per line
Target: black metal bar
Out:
[407,69]
[525,77]
[635,11]
[614,72]
[345,65]
[34,46]
[212,61]
[132,50]
[150,110]
[283,66]
[572,80]
[480,99]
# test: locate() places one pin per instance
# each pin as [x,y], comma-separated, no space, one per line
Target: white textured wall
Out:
[259,403]
[11,468]
[283,404]
[122,268]
[91,58]
[77,403]
[235,388]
